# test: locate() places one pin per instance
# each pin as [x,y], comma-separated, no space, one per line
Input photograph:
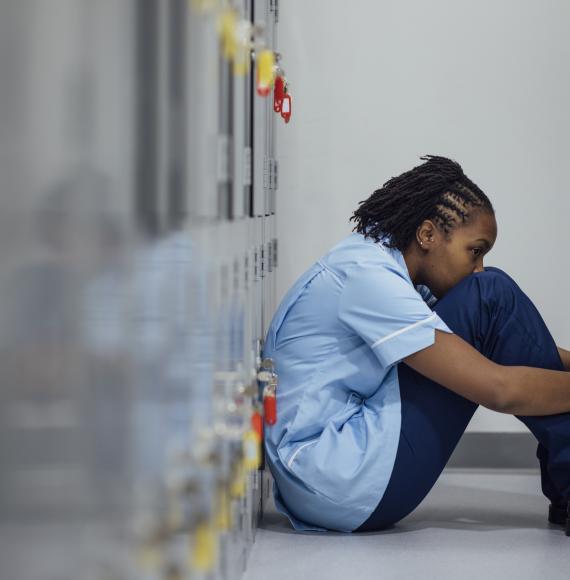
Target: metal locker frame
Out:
[203,117]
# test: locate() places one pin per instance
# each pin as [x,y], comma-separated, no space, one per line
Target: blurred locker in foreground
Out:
[138,245]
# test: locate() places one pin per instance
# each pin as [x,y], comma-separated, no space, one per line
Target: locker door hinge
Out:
[275,255]
[275,175]
[270,256]
[274,9]
[256,275]
[262,261]
[270,174]
[236,281]
[267,173]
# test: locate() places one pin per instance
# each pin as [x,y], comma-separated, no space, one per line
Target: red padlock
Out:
[286,107]
[270,406]
[257,423]
[278,93]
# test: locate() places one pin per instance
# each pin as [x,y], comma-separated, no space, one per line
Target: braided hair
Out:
[437,190]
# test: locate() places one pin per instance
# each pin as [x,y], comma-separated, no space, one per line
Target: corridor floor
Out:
[474,524]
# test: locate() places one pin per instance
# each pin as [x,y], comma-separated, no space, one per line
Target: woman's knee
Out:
[491,312]
[492,285]
[498,289]
[492,272]
[478,303]
[496,271]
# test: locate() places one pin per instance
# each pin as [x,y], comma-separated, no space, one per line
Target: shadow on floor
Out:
[451,507]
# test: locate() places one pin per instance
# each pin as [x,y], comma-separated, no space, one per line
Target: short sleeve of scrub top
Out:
[336,339]
[387,312]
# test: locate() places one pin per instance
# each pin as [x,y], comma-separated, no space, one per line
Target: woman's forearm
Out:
[551,398]
[535,391]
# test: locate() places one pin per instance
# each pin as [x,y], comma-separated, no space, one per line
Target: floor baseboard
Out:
[489,450]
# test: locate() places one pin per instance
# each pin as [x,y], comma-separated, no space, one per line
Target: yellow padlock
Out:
[223,509]
[238,486]
[265,72]
[251,450]
[242,57]
[204,551]
[227,23]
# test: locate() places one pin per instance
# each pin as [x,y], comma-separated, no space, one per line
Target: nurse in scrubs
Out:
[386,346]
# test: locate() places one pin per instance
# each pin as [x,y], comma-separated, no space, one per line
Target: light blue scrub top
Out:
[336,339]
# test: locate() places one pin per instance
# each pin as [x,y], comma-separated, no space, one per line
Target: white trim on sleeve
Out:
[405,329]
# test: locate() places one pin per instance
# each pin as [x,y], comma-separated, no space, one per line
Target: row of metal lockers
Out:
[138,250]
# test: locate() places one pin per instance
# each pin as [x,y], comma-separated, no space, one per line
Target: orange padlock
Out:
[257,423]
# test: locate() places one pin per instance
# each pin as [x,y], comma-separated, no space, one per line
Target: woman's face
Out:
[451,259]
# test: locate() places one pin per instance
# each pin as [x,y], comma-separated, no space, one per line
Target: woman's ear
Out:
[425,234]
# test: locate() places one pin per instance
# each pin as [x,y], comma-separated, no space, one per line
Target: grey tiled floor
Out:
[474,524]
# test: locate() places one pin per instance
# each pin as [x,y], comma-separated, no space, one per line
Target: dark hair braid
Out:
[437,190]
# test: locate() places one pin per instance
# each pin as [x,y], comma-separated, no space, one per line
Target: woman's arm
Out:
[515,390]
[565,356]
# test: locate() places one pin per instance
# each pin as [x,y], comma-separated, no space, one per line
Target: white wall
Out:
[378,83]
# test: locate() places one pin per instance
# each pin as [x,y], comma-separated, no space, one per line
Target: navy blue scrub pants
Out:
[490,312]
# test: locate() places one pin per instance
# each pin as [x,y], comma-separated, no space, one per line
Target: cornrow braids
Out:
[437,190]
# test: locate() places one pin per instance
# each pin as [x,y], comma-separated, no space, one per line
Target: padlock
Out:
[278,93]
[270,404]
[242,58]
[227,23]
[204,552]
[265,72]
[223,509]
[286,107]
[257,423]
[238,484]
[251,450]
